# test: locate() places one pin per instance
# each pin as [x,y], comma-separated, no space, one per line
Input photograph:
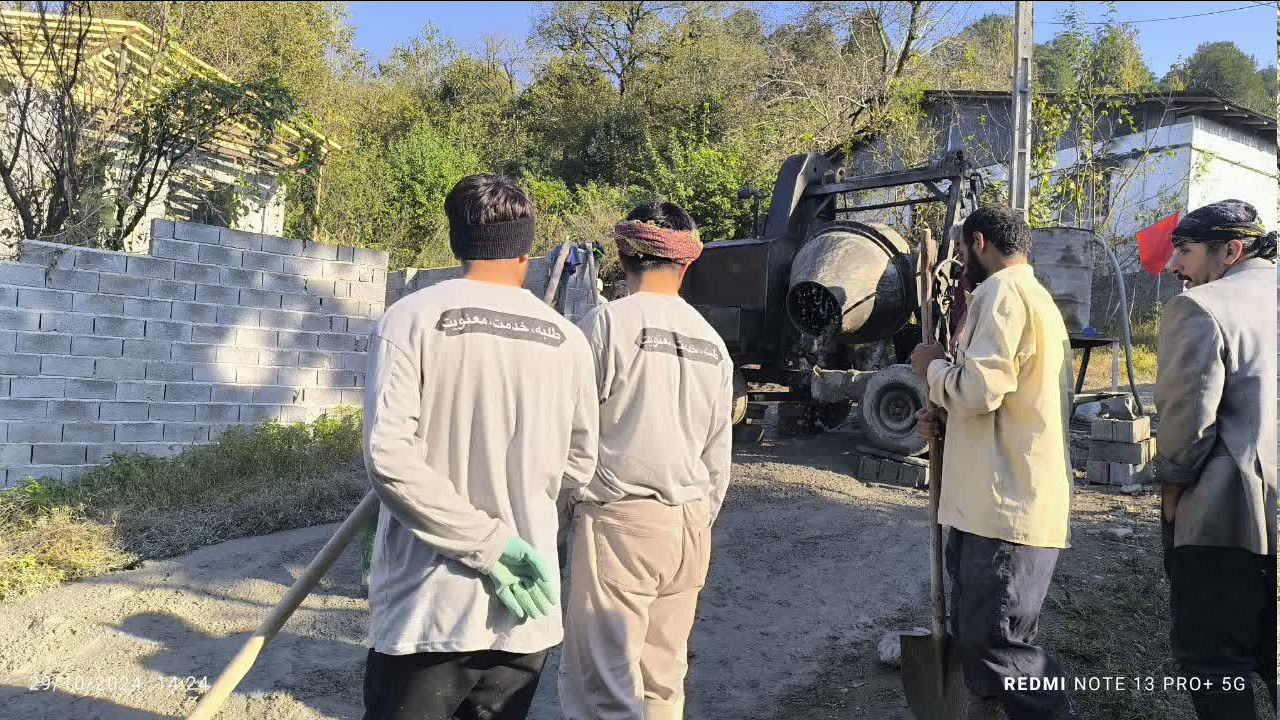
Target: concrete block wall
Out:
[574,298]
[104,352]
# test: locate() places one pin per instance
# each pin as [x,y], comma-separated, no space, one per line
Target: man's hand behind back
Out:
[931,423]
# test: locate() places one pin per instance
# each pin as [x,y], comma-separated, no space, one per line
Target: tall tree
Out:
[1225,69]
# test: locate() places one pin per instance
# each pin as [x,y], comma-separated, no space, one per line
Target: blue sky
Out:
[380,25]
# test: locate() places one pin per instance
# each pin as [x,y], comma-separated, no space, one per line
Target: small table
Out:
[1082,341]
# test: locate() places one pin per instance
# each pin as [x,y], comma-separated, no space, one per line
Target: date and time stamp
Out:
[106,684]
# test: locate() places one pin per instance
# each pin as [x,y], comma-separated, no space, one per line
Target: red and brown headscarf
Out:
[636,238]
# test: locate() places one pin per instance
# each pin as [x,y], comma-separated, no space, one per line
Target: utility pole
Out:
[1020,154]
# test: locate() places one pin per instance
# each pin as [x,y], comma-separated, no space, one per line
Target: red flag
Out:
[1155,244]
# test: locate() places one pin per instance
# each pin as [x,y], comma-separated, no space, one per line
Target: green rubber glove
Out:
[522,580]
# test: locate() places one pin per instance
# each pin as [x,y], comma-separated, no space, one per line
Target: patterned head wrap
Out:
[637,238]
[1227,220]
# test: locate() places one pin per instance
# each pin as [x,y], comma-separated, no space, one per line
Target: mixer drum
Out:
[852,282]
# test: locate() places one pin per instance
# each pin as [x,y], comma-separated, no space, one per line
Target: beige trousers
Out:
[636,568]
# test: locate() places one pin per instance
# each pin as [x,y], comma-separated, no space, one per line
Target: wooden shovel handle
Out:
[927,256]
[239,666]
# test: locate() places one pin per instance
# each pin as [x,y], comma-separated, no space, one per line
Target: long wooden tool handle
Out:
[553,284]
[239,666]
[936,591]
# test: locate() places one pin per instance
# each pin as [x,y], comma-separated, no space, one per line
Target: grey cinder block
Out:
[194,353]
[196,232]
[186,432]
[194,313]
[321,396]
[319,360]
[303,266]
[1121,452]
[187,392]
[147,349]
[167,330]
[280,283]
[118,327]
[240,239]
[336,378]
[255,376]
[73,410]
[239,316]
[216,255]
[97,304]
[140,391]
[232,394]
[296,377]
[78,280]
[1124,431]
[276,395]
[237,355]
[40,299]
[300,303]
[99,261]
[34,432]
[105,347]
[175,250]
[37,387]
[120,369]
[169,371]
[346,253]
[297,340]
[20,364]
[342,271]
[269,262]
[338,342]
[70,367]
[140,266]
[241,278]
[82,389]
[258,413]
[123,411]
[61,322]
[196,273]
[39,343]
[19,319]
[21,409]
[99,454]
[124,285]
[278,358]
[15,454]
[215,334]
[58,454]
[152,309]
[252,337]
[173,290]
[140,432]
[162,229]
[172,412]
[217,294]
[88,432]
[281,246]
[320,251]
[260,299]
[21,274]
[217,413]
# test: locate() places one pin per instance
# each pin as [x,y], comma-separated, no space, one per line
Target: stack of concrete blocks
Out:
[575,295]
[912,472]
[1121,451]
[109,352]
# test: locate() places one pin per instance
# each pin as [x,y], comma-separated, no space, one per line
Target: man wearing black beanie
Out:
[480,407]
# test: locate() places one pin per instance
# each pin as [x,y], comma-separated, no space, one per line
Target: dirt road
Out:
[806,560]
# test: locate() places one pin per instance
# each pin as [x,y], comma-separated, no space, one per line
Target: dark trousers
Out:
[1223,602]
[998,588]
[483,685]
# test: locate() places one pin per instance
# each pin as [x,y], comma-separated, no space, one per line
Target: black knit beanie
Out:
[495,241]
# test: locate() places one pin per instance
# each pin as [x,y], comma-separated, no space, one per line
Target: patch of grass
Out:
[252,481]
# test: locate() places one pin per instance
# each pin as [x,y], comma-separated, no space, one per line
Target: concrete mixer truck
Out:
[824,301]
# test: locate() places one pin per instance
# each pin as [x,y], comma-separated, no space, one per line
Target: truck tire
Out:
[739,397]
[888,409]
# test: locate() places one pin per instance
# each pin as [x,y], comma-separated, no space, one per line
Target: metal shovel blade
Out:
[933,681]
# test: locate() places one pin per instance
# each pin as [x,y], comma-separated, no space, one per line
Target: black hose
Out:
[1124,314]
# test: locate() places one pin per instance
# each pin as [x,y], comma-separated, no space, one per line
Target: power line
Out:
[1176,17]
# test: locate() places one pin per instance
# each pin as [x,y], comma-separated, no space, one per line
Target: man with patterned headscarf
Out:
[1216,459]
[642,526]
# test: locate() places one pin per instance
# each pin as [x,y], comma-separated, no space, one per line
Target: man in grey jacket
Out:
[1216,393]
[480,407]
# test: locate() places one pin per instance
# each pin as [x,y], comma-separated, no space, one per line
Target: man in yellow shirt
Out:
[1004,404]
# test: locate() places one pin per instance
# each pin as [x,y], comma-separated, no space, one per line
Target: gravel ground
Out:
[805,558]
[809,568]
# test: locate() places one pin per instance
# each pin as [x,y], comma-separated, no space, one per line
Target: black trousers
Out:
[1223,602]
[998,588]
[482,685]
